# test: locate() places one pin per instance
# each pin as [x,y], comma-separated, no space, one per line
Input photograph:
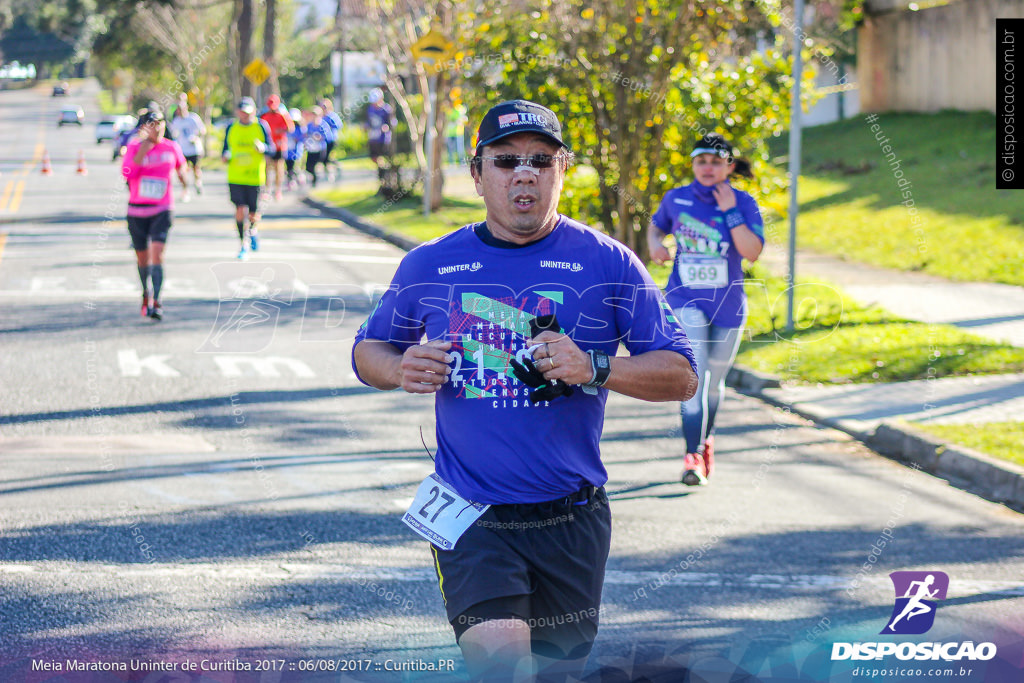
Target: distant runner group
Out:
[275,139]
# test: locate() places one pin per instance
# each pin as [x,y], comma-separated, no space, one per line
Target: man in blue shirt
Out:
[513,324]
[333,124]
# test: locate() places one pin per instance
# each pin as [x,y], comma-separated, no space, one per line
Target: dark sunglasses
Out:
[509,161]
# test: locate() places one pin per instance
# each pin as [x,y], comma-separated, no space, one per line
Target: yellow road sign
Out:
[256,71]
[433,48]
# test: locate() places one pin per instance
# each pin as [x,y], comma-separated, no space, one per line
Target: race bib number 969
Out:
[703,272]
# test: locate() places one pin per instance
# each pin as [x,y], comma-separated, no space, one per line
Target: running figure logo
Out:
[917,597]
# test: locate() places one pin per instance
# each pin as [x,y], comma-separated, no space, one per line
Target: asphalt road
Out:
[218,488]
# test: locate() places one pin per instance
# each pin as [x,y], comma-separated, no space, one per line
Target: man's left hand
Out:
[560,358]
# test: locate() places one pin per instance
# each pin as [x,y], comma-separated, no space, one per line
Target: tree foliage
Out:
[398,24]
[634,84]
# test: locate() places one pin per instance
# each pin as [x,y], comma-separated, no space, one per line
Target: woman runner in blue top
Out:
[714,227]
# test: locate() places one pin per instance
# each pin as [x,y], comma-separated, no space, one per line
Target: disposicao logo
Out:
[917,598]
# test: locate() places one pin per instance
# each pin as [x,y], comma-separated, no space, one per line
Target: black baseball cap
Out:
[518,116]
[712,143]
[151,116]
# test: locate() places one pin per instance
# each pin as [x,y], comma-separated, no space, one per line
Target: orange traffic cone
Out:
[82,170]
[46,164]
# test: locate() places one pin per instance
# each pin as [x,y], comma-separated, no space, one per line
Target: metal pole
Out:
[794,154]
[431,119]
[338,78]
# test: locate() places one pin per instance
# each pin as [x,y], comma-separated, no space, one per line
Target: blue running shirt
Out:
[493,445]
[691,215]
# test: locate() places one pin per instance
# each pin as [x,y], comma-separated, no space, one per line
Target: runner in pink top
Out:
[149,162]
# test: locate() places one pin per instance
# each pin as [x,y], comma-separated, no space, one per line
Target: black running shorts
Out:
[540,563]
[146,229]
[245,195]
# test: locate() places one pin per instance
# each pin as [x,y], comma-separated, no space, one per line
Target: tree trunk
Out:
[245,29]
[270,44]
[437,185]
[234,71]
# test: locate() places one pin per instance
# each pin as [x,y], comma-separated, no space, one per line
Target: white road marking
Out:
[46,284]
[132,366]
[231,366]
[320,570]
[218,255]
[184,292]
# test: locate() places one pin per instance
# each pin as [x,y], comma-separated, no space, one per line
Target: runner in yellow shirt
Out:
[247,143]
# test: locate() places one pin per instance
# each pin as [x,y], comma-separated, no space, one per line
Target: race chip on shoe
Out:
[527,373]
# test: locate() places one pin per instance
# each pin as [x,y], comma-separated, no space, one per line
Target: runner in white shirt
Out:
[187,129]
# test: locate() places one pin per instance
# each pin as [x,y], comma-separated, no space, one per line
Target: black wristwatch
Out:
[602,368]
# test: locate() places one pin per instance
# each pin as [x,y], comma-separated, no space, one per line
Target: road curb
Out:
[964,468]
[350,219]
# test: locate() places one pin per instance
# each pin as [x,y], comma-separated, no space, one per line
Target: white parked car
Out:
[111,127]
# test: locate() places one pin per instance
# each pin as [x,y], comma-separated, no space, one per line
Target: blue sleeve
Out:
[393,320]
[328,131]
[751,215]
[227,133]
[267,140]
[651,324]
[661,219]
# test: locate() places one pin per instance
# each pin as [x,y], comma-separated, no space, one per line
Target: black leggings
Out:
[312,159]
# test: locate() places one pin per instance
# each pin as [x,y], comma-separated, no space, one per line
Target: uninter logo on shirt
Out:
[460,268]
[684,202]
[562,265]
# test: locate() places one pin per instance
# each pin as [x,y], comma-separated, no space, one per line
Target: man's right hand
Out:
[424,368]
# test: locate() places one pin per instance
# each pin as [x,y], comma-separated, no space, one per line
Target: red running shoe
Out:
[145,305]
[693,470]
[709,456]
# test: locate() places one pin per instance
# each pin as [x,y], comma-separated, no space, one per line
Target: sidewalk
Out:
[987,309]
[878,414]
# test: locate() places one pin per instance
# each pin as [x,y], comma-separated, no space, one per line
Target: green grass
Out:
[835,341]
[852,205]
[107,106]
[1000,439]
[353,163]
[404,216]
[838,341]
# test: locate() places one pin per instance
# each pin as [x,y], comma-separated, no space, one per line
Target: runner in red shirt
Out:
[280,124]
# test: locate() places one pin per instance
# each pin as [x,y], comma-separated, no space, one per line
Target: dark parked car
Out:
[70,115]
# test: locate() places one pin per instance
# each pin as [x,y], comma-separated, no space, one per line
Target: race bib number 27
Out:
[441,515]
